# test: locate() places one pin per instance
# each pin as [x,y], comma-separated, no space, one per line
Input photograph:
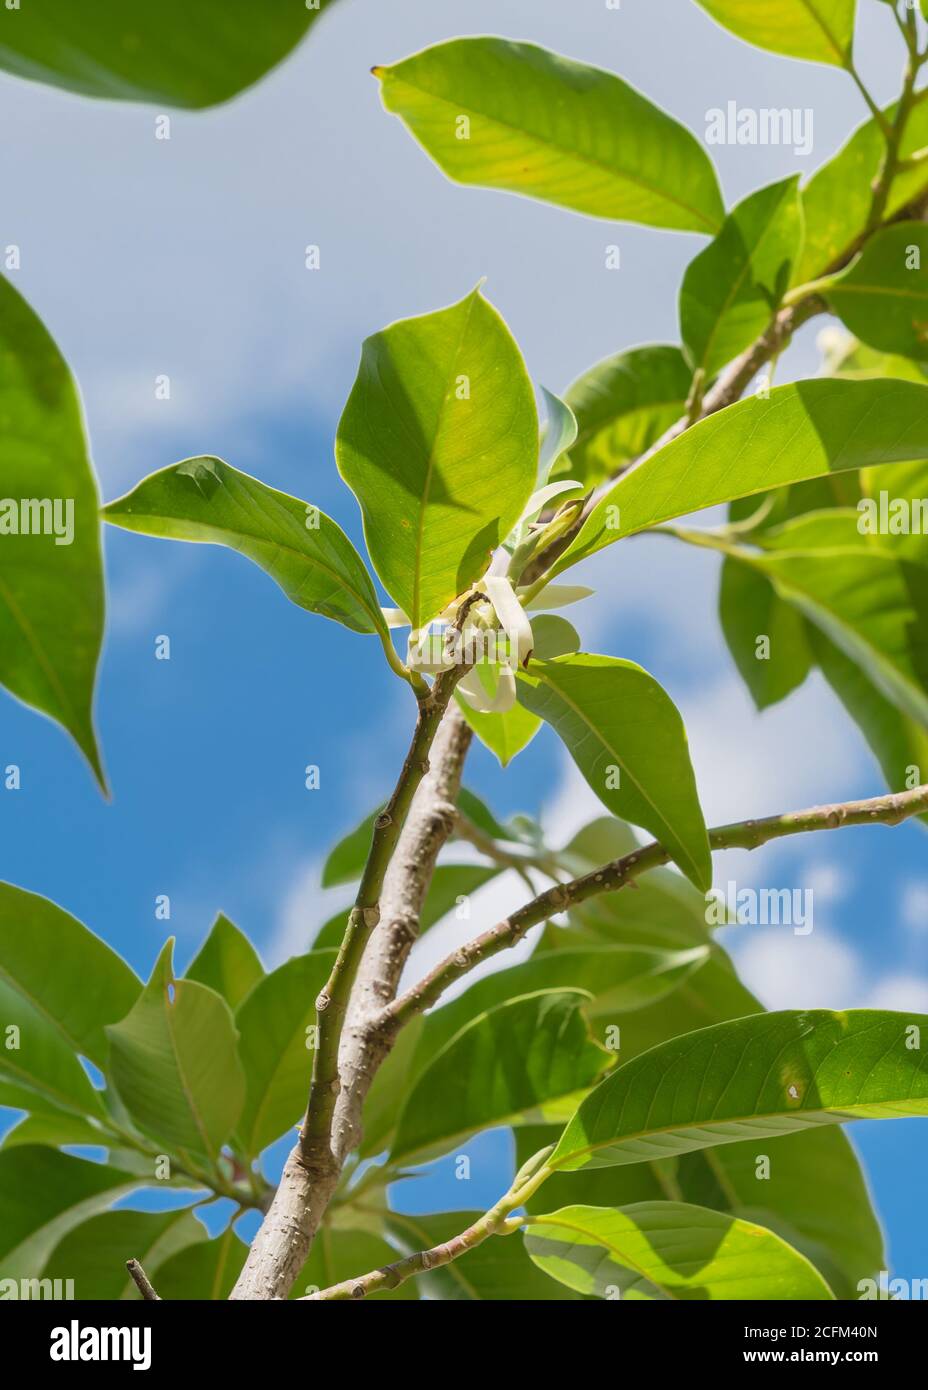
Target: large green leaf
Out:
[174,1063]
[439,443]
[669,1250]
[836,201]
[882,297]
[203,1272]
[173,53]
[520,1058]
[34,1055]
[345,863]
[516,117]
[495,1271]
[44,952]
[43,1195]
[751,609]
[55,1128]
[226,962]
[899,743]
[802,431]
[618,979]
[51,571]
[820,30]
[872,606]
[304,551]
[337,1255]
[627,738]
[273,1023]
[94,1254]
[733,288]
[623,405]
[753,1077]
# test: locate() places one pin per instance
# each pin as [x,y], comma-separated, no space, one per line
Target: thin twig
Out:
[142,1282]
[747,834]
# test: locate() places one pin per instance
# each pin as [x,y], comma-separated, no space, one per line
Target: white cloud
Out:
[913,907]
[791,972]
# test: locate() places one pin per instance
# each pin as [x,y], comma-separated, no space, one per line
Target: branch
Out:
[142,1282]
[748,834]
[495,1222]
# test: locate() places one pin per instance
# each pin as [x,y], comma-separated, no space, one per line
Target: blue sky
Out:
[186,257]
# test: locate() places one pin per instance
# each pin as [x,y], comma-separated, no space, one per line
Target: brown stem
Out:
[142,1282]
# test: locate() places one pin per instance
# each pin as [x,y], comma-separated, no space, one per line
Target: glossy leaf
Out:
[51,570]
[733,288]
[559,434]
[174,54]
[205,1272]
[43,951]
[882,297]
[542,125]
[836,201]
[514,1060]
[304,551]
[174,1063]
[226,962]
[627,738]
[439,443]
[623,405]
[43,1195]
[496,1271]
[807,430]
[750,609]
[669,1250]
[753,1077]
[819,30]
[34,1055]
[94,1254]
[273,1025]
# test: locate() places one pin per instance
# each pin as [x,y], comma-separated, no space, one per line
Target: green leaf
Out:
[203,1272]
[733,288]
[226,962]
[43,1195]
[495,1271]
[669,1250]
[439,443]
[34,1055]
[175,1065]
[513,116]
[480,814]
[345,863]
[627,738]
[899,743]
[819,30]
[753,1077]
[559,434]
[337,1255]
[51,570]
[94,1254]
[750,608]
[618,980]
[504,734]
[304,551]
[389,1090]
[272,1024]
[869,604]
[172,54]
[882,296]
[836,201]
[43,951]
[623,405]
[802,431]
[55,1128]
[517,1059]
